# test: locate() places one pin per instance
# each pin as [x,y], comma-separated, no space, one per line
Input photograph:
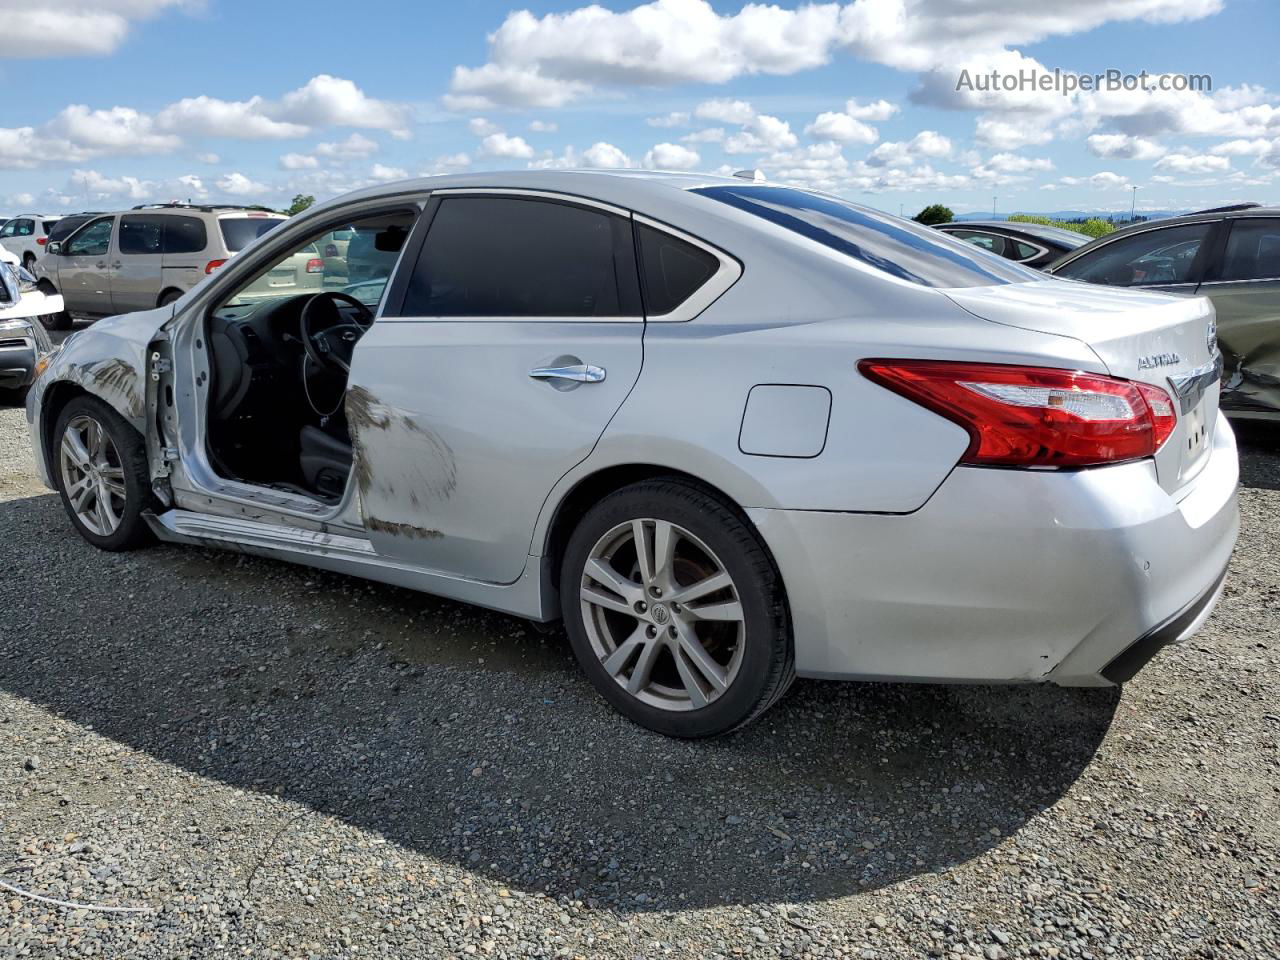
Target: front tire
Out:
[675,610]
[100,466]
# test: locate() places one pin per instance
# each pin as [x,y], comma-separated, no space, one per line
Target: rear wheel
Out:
[53,321]
[675,610]
[100,467]
[168,297]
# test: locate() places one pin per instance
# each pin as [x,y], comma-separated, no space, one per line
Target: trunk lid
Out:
[1155,338]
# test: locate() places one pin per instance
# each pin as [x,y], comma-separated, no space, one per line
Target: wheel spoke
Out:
[644,551]
[716,611]
[73,449]
[709,585]
[643,669]
[94,431]
[601,599]
[689,646]
[602,573]
[106,516]
[617,661]
[79,493]
[113,480]
[691,686]
[664,550]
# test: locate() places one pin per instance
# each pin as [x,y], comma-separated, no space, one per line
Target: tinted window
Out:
[67,226]
[184,235]
[508,257]
[672,270]
[1253,251]
[986,241]
[1160,256]
[47,226]
[93,241]
[899,247]
[239,232]
[25,228]
[8,229]
[141,234]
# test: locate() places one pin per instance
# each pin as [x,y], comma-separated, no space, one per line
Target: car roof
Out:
[1043,231]
[1234,212]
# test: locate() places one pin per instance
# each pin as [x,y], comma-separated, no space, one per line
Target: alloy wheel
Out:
[662,614]
[92,475]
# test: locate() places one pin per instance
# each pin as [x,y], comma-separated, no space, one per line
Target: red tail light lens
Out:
[41,241]
[213,265]
[315,265]
[1035,416]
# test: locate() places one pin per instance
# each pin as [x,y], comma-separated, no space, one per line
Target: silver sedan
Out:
[729,432]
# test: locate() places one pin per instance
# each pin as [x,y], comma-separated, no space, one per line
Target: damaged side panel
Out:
[1249,336]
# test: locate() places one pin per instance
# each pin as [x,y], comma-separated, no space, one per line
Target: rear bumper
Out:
[1074,578]
[18,355]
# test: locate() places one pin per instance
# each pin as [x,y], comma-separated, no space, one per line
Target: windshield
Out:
[239,232]
[898,247]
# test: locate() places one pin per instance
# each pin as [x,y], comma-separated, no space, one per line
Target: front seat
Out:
[325,460]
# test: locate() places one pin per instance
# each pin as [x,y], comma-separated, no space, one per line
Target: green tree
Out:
[934,213]
[300,203]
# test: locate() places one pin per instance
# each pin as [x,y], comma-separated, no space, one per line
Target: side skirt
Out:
[350,555]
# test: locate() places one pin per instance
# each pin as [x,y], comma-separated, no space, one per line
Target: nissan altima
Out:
[729,432]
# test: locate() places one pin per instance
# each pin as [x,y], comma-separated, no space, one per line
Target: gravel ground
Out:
[276,762]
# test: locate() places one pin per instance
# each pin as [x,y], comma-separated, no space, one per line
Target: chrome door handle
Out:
[579,373]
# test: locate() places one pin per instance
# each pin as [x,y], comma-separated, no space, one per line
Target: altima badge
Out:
[1158,360]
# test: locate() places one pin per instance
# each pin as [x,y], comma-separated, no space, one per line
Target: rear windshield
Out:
[239,232]
[900,248]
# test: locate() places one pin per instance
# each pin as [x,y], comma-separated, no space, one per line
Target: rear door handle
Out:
[578,372]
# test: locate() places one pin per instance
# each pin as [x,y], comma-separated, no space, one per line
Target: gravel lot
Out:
[277,762]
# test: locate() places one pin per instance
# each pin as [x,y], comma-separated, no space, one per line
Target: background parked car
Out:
[145,257]
[1033,244]
[22,339]
[25,236]
[1229,254]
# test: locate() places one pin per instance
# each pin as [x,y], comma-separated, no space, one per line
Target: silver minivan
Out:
[145,257]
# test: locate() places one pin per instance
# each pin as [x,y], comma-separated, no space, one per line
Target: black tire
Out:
[130,448]
[29,263]
[768,657]
[168,297]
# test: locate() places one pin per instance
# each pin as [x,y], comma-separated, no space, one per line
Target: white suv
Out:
[25,237]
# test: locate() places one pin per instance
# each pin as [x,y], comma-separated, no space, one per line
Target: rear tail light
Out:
[315,265]
[213,265]
[1035,416]
[41,241]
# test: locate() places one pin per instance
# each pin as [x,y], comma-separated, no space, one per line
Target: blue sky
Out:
[122,101]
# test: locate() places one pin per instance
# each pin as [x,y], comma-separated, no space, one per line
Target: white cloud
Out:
[876,112]
[355,145]
[210,159]
[298,161]
[117,130]
[761,133]
[926,143]
[676,119]
[725,111]
[238,185]
[96,186]
[327,101]
[1123,147]
[448,163]
[548,60]
[74,27]
[501,145]
[605,156]
[543,126]
[1104,180]
[1192,163]
[706,135]
[671,156]
[480,127]
[383,174]
[242,119]
[1009,134]
[842,127]
[1243,148]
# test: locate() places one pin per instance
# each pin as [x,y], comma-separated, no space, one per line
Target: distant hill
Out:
[1075,214]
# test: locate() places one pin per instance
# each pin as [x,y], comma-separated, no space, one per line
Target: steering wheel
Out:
[330,347]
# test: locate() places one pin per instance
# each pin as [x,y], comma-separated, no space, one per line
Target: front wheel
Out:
[675,610]
[100,466]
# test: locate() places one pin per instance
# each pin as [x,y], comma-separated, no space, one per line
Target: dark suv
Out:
[1230,255]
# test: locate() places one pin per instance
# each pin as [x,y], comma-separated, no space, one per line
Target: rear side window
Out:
[671,269]
[184,235]
[512,257]
[1153,257]
[239,232]
[895,246]
[47,225]
[985,241]
[1253,251]
[141,234]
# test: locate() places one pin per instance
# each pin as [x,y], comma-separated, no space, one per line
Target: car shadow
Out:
[1259,445]
[472,738]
